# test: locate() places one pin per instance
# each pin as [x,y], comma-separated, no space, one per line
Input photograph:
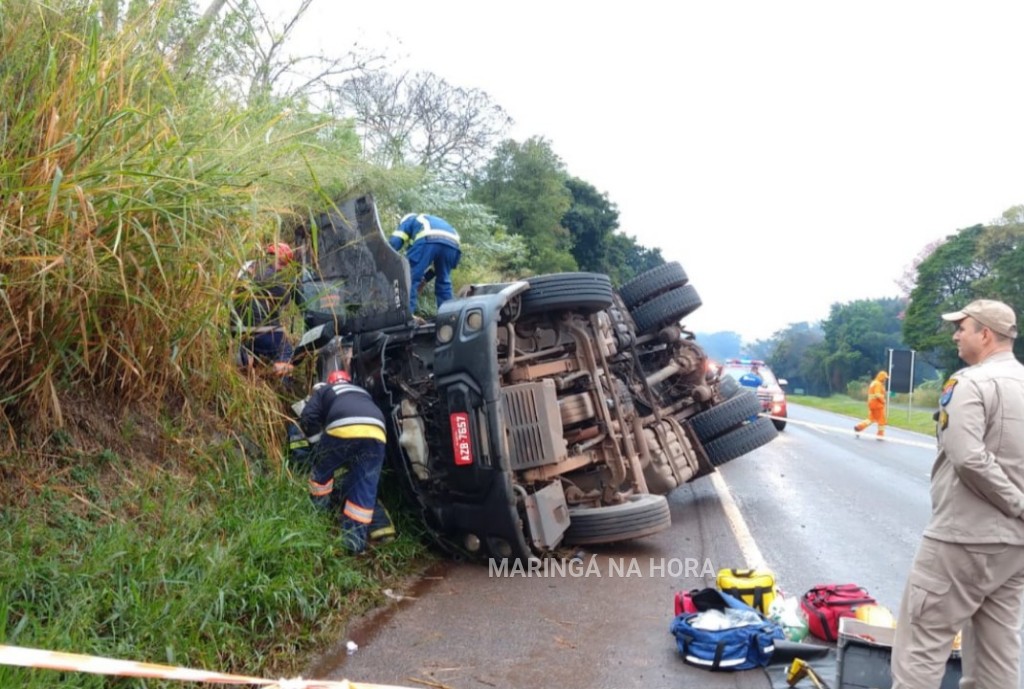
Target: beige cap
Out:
[995,315]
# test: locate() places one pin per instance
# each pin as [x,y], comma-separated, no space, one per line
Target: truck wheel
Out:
[666,309]
[740,441]
[711,423]
[582,292]
[652,283]
[729,387]
[641,515]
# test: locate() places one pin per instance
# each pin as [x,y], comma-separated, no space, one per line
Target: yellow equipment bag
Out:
[755,587]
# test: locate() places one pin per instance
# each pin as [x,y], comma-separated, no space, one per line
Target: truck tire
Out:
[652,283]
[729,387]
[711,423]
[666,309]
[740,441]
[582,292]
[641,515]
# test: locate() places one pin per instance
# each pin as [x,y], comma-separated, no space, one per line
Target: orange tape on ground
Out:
[96,665]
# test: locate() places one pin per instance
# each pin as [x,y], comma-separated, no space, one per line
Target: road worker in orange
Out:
[876,405]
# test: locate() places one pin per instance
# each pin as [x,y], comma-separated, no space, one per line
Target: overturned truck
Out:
[547,412]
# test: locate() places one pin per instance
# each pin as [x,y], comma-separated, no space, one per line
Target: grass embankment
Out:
[146,511]
[919,418]
[222,567]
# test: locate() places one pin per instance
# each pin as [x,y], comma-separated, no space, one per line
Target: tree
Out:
[626,258]
[857,335]
[793,357]
[421,120]
[1001,247]
[908,280]
[591,220]
[525,185]
[976,262]
[236,45]
[597,246]
[944,283]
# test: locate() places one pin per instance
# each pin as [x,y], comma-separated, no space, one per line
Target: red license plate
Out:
[462,444]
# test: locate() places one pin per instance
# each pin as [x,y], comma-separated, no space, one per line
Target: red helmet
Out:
[338,376]
[282,251]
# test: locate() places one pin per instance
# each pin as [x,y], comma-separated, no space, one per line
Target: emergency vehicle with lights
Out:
[769,390]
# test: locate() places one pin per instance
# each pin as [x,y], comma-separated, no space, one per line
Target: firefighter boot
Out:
[353,537]
[860,427]
[382,530]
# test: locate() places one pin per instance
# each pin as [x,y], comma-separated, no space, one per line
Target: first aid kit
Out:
[826,604]
[755,587]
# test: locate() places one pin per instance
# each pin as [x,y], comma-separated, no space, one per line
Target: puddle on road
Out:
[365,629]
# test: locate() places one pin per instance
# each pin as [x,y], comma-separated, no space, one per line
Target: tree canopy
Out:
[525,184]
[976,262]
[422,120]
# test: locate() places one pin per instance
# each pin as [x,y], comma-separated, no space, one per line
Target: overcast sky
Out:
[790,155]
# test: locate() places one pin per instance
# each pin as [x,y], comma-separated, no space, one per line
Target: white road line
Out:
[748,547]
[843,431]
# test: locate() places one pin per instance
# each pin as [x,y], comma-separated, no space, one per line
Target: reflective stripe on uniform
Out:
[451,236]
[260,329]
[356,421]
[359,430]
[319,489]
[346,388]
[357,513]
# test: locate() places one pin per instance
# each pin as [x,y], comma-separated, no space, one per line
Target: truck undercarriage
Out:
[547,412]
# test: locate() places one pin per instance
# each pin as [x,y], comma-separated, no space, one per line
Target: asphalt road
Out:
[816,505]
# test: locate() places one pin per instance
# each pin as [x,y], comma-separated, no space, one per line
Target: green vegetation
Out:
[981,261]
[218,567]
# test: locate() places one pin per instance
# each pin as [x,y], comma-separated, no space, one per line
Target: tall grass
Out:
[144,509]
[129,196]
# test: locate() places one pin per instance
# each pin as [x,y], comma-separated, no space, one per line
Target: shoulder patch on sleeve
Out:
[947,392]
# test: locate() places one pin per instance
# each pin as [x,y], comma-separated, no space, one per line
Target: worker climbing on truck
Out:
[433,254]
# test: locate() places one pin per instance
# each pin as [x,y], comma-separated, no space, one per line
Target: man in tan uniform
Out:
[969,569]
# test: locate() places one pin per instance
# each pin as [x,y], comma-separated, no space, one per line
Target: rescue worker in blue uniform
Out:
[752,378]
[433,253]
[352,435]
[265,288]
